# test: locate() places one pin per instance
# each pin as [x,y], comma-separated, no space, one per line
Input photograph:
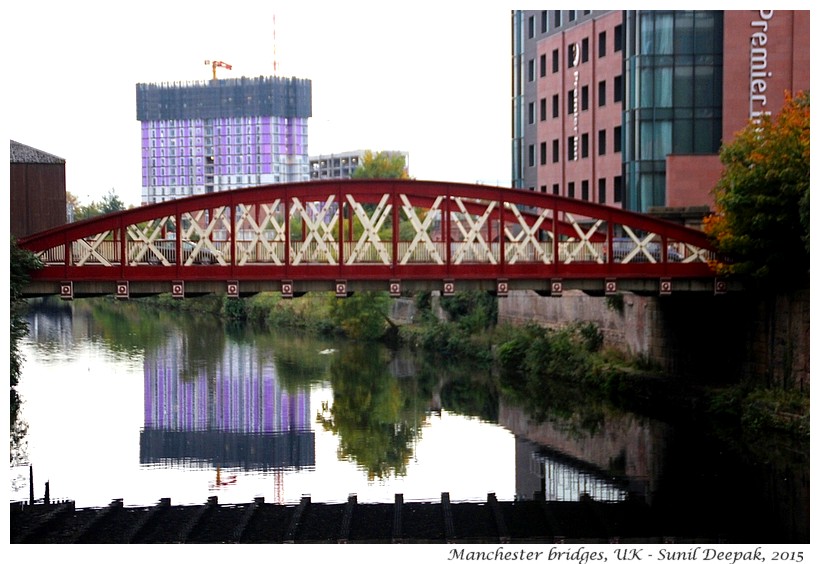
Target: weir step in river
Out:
[493,521]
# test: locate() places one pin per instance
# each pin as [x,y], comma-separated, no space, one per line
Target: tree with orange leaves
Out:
[761,220]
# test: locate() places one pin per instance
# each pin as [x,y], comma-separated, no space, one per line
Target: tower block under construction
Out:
[222,134]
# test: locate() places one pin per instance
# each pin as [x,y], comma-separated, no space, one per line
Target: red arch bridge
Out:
[351,235]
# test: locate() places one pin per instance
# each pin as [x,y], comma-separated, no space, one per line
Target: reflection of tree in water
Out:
[376,420]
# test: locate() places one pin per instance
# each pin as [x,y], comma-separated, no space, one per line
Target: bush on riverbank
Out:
[760,409]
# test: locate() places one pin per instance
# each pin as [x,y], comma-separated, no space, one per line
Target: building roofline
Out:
[21,153]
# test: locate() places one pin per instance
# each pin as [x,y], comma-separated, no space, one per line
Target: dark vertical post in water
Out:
[30,484]
[47,497]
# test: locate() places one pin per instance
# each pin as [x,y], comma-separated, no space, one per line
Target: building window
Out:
[602,141]
[531,27]
[616,139]
[584,98]
[556,18]
[543,152]
[602,190]
[531,113]
[584,145]
[571,148]
[544,21]
[602,93]
[543,109]
[555,60]
[571,15]
[571,102]
[585,190]
[571,189]
[556,189]
[530,70]
[531,155]
[555,105]
[543,65]
[618,41]
[585,49]
[555,151]
[617,189]
[617,88]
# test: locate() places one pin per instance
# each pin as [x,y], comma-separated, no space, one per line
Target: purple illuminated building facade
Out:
[211,136]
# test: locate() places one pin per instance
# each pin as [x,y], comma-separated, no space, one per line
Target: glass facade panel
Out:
[673,86]
[683,89]
[663,87]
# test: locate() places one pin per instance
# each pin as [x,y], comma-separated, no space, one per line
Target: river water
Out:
[124,402]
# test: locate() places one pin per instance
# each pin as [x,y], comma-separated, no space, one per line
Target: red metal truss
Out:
[371,231]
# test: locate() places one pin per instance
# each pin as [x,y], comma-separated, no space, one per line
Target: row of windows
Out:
[576,147]
[582,190]
[552,16]
[190,131]
[583,102]
[221,160]
[575,54]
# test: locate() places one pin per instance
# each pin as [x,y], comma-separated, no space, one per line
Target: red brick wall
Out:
[787,59]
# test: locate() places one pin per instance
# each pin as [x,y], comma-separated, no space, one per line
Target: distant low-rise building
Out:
[37,190]
[342,165]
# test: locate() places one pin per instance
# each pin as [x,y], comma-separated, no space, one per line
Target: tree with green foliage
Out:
[761,224]
[362,315]
[110,203]
[383,164]
[23,262]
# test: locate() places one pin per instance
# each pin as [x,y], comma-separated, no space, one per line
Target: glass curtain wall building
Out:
[630,108]
[673,69]
[203,137]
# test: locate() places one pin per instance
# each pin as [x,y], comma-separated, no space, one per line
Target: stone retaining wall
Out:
[724,338]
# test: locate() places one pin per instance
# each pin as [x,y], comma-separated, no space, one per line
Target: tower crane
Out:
[215,64]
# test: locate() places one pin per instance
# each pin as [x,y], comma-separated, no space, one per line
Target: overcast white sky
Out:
[430,78]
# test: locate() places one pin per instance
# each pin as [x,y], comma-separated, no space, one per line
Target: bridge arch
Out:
[346,235]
